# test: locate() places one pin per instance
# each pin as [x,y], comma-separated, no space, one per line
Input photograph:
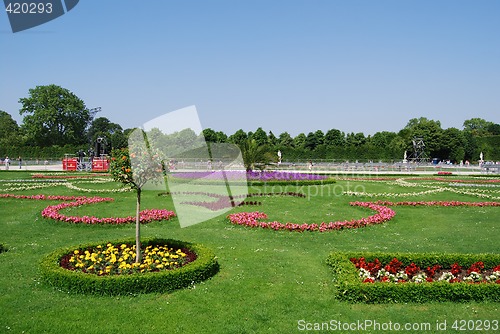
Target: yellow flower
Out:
[76,251]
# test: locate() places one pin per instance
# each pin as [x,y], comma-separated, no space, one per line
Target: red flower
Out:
[477,267]
[432,271]
[393,266]
[455,269]
[412,269]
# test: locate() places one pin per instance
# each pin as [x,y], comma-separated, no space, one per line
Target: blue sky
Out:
[296,66]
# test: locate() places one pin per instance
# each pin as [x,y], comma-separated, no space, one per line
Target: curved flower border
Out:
[436,188]
[52,211]
[251,219]
[46,183]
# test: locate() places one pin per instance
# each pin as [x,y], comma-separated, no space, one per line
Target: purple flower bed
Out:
[253,176]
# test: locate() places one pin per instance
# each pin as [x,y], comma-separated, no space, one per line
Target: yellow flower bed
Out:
[120,259]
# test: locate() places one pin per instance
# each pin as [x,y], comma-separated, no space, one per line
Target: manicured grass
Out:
[268,280]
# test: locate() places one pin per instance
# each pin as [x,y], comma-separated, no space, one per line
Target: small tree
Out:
[255,155]
[134,167]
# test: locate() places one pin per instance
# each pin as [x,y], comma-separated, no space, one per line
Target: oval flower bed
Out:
[251,219]
[406,277]
[110,269]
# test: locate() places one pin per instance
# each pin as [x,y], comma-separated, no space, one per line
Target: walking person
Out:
[20,162]
[7,163]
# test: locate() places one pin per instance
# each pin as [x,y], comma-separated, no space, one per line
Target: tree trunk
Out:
[138,253]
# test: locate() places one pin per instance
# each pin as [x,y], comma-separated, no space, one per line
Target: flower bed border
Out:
[204,267]
[251,219]
[351,289]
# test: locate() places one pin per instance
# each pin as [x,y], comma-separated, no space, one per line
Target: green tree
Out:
[494,129]
[134,168]
[9,131]
[477,126]
[382,139]
[311,141]
[429,130]
[334,137]
[260,136]
[285,140]
[271,139]
[255,155]
[53,116]
[238,138]
[210,135]
[453,145]
[300,140]
[320,137]
[104,128]
[221,137]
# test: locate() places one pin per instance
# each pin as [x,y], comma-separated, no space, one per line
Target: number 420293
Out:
[29,8]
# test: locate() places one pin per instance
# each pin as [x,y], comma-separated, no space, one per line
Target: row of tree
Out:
[478,135]
[56,121]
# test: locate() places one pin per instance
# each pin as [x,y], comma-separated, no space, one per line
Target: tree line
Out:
[56,122]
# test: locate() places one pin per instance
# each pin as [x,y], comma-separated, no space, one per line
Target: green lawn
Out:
[269,282]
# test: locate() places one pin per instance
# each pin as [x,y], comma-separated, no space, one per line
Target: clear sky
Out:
[284,65]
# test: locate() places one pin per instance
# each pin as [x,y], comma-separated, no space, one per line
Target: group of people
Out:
[7,162]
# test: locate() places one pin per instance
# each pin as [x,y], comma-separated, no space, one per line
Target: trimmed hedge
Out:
[292,182]
[258,183]
[351,289]
[204,267]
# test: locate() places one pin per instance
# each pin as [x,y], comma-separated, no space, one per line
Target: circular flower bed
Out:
[112,259]
[109,268]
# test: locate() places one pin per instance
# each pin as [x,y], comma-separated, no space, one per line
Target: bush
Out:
[204,267]
[292,182]
[351,289]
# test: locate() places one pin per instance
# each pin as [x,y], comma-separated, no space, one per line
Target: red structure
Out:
[70,163]
[100,164]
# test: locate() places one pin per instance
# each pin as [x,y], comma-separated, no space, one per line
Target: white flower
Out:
[446,276]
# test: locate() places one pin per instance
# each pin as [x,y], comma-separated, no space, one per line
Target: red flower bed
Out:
[395,272]
[85,176]
[251,219]
[52,211]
